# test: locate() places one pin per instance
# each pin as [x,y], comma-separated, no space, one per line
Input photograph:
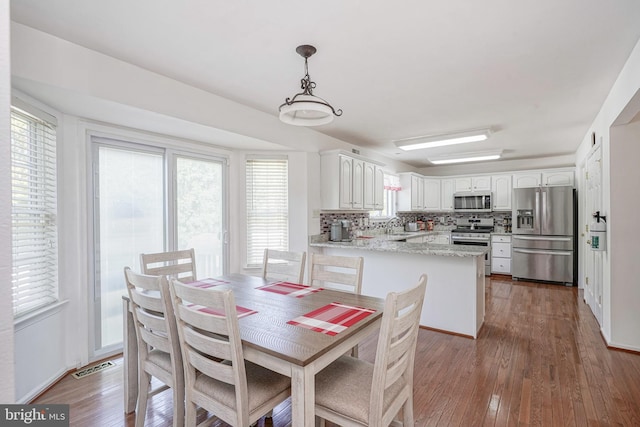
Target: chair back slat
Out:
[337,272]
[180,264]
[283,265]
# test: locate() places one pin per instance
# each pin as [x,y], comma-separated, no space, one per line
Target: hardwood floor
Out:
[539,360]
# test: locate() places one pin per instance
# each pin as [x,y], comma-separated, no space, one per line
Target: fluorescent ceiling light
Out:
[466,157]
[442,140]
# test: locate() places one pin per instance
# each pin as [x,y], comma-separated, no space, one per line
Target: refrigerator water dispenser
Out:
[524,219]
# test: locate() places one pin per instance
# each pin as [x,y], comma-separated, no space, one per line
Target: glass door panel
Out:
[199,212]
[129,220]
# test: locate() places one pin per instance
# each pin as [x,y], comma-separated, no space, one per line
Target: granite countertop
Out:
[390,243]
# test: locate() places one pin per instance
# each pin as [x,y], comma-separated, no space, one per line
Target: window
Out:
[267,207]
[33,212]
[391,188]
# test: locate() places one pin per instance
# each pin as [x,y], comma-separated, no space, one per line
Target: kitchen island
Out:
[454,300]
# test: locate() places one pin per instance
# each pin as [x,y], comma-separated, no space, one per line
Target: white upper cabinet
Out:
[558,177]
[447,188]
[373,187]
[472,183]
[358,184]
[545,178]
[431,198]
[501,192]
[348,180]
[411,197]
[481,183]
[526,179]
[463,184]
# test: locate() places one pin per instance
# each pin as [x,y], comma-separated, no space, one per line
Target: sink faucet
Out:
[387,225]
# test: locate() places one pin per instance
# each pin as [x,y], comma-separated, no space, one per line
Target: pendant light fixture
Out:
[306,109]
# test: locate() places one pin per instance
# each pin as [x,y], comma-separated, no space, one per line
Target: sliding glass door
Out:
[145,200]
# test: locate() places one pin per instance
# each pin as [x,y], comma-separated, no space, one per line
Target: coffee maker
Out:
[340,231]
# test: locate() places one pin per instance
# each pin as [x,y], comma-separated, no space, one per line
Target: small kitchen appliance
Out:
[345,230]
[336,231]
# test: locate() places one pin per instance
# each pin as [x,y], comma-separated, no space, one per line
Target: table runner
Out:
[332,318]
[288,288]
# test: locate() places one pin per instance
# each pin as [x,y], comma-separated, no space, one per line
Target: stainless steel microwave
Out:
[477,201]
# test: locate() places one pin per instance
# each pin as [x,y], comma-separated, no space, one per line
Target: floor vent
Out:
[92,369]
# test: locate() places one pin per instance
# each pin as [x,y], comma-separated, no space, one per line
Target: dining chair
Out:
[217,377]
[159,353]
[180,264]
[283,265]
[353,392]
[337,272]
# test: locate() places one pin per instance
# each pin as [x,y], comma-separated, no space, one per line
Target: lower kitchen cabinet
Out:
[501,254]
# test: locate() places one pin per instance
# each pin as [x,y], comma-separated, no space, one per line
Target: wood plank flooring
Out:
[539,360]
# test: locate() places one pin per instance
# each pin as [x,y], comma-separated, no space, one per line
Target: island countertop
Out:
[381,244]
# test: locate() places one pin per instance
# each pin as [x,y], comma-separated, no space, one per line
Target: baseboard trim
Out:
[447,332]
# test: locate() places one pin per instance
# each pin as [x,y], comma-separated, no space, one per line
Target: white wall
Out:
[625,268]
[7,392]
[617,298]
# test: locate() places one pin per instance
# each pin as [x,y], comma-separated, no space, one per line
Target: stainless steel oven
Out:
[476,232]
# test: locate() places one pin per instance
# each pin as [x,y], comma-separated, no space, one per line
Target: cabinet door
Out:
[417,193]
[502,250]
[369,186]
[446,194]
[378,190]
[358,184]
[463,184]
[501,192]
[481,183]
[526,180]
[557,178]
[346,183]
[431,193]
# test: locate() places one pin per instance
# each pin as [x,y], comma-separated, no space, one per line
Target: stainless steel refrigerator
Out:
[543,234]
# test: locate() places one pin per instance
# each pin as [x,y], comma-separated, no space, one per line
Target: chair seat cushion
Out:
[262,385]
[345,387]
[160,358]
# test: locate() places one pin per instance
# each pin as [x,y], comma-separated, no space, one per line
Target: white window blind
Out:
[267,207]
[33,213]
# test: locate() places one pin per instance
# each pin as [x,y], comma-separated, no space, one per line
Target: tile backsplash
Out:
[362,221]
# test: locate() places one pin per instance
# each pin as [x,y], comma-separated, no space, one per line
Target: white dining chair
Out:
[217,377]
[159,353]
[180,264]
[353,392]
[337,272]
[283,265]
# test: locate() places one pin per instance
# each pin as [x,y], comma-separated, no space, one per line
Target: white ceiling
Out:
[536,72]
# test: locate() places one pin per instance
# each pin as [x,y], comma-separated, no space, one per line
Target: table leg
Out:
[130,360]
[303,396]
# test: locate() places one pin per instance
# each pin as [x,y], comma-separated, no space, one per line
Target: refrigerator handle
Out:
[538,213]
[539,252]
[545,238]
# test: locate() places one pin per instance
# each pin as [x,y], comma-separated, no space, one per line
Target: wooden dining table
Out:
[270,341]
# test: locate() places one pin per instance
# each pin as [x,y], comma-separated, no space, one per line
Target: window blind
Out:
[267,207]
[33,213]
